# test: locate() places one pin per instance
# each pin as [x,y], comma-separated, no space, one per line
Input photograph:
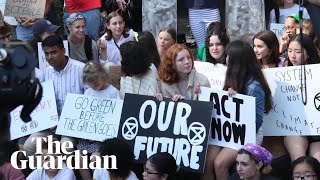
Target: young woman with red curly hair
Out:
[178,79]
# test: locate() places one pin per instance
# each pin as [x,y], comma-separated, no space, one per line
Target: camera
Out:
[18,85]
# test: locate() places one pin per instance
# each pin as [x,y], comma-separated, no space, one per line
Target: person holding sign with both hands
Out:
[301,50]
[178,79]
[243,76]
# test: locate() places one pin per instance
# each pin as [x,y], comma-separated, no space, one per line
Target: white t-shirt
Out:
[110,92]
[103,174]
[113,51]
[65,174]
[284,13]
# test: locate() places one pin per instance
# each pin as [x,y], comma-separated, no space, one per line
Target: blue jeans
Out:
[24,33]
[93,21]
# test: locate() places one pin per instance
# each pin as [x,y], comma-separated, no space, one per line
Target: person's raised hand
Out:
[101,44]
[121,4]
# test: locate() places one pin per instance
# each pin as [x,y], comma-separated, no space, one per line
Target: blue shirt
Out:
[254,89]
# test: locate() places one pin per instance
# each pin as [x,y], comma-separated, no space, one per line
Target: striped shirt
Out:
[68,80]
[146,84]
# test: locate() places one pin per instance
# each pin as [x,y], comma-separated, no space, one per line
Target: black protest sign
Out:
[179,128]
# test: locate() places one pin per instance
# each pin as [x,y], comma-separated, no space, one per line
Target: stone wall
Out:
[244,18]
[158,14]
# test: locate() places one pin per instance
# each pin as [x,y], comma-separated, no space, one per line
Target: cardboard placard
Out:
[179,128]
[91,118]
[289,115]
[8,19]
[233,119]
[278,29]
[25,8]
[214,72]
[44,116]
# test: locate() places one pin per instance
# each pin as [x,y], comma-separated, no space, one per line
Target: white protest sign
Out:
[289,115]
[278,29]
[90,117]
[44,116]
[25,8]
[8,19]
[214,72]
[233,121]
[43,64]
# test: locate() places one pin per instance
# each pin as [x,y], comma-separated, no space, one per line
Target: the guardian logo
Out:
[53,158]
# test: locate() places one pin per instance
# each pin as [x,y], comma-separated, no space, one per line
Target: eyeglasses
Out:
[8,36]
[305,177]
[289,28]
[148,171]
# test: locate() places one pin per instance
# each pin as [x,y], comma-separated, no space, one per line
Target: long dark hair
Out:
[109,32]
[124,153]
[134,61]
[311,161]
[164,163]
[243,64]
[150,45]
[271,40]
[307,43]
[222,35]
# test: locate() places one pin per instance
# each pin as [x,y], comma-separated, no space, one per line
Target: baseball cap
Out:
[42,26]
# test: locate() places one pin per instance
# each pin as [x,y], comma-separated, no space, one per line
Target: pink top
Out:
[9,172]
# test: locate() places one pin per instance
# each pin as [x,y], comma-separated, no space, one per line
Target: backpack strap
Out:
[88,47]
[277,13]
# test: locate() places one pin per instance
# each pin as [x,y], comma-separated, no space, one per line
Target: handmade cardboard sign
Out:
[90,117]
[233,119]
[278,29]
[179,128]
[7,19]
[44,116]
[216,73]
[25,8]
[289,115]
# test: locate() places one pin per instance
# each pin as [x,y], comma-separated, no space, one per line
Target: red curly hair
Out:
[167,68]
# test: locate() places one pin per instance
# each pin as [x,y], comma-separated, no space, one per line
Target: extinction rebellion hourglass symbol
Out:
[317,101]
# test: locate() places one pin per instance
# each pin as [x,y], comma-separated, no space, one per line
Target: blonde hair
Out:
[266,169]
[93,72]
[307,28]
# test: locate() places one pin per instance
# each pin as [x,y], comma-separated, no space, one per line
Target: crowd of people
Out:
[161,67]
